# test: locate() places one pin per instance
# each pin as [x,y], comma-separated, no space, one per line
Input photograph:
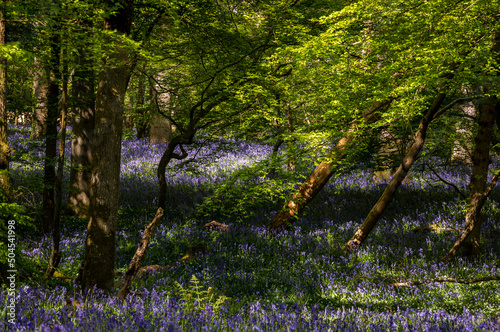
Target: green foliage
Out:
[13,218]
[196,298]
[249,188]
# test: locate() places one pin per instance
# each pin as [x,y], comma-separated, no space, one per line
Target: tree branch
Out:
[459,281]
[453,103]
[493,182]
[448,183]
[180,156]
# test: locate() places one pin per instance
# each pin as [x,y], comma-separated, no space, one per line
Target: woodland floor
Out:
[297,281]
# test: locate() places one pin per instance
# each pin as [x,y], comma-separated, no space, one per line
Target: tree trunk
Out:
[462,149]
[319,178]
[135,264]
[141,123]
[489,109]
[81,141]
[5,180]
[40,91]
[168,155]
[99,262]
[55,257]
[478,193]
[274,155]
[398,177]
[161,129]
[49,180]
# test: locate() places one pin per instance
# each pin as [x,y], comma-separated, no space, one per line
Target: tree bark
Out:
[142,123]
[99,262]
[5,179]
[135,264]
[49,179]
[168,155]
[478,193]
[274,156]
[489,109]
[40,91]
[319,178]
[398,177]
[55,257]
[83,96]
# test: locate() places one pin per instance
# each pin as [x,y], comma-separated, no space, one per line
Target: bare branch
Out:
[459,281]
[448,183]
[453,103]
[493,182]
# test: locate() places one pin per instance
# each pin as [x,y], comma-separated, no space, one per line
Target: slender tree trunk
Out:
[291,160]
[398,177]
[55,257]
[319,178]
[99,262]
[5,180]
[168,155]
[478,193]
[162,167]
[274,155]
[81,141]
[49,180]
[141,123]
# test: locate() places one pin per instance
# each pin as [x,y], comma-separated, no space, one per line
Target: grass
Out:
[300,280]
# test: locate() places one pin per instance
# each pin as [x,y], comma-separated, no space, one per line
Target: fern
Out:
[196,298]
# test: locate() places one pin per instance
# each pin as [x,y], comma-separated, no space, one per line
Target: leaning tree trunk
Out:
[398,177]
[478,193]
[140,253]
[319,178]
[99,263]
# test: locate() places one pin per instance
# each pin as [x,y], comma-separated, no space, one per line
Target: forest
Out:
[262,165]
